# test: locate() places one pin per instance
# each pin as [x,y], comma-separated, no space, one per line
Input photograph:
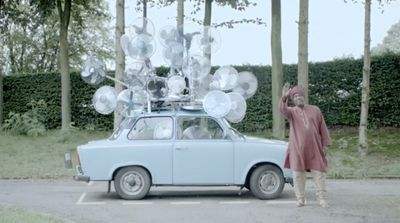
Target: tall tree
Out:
[119,57]
[302,67]
[1,97]
[362,140]
[180,14]
[64,12]
[278,123]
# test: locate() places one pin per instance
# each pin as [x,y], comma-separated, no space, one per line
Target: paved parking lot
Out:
[351,201]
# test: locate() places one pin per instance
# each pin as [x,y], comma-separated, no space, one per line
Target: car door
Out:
[151,147]
[201,153]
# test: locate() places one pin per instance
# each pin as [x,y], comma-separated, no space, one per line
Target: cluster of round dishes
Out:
[188,85]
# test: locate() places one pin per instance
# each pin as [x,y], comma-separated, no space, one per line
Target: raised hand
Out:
[286,90]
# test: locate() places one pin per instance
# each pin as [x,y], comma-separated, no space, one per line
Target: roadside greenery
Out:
[335,87]
[42,156]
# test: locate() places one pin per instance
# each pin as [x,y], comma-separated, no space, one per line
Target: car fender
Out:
[118,166]
[250,165]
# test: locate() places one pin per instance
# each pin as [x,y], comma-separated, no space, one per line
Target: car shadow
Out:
[190,193]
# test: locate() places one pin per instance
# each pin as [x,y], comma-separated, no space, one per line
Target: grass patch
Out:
[42,156]
[17,215]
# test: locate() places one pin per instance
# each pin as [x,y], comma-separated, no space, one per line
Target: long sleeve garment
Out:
[308,135]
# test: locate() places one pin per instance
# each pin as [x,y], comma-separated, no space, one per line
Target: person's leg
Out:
[299,181]
[320,183]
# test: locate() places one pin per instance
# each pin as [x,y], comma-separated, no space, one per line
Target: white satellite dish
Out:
[141,47]
[247,84]
[176,85]
[93,71]
[136,73]
[200,88]
[217,103]
[169,34]
[105,100]
[130,102]
[196,67]
[209,40]
[157,87]
[173,54]
[225,78]
[238,108]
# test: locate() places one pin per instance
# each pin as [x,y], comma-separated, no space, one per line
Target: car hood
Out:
[267,141]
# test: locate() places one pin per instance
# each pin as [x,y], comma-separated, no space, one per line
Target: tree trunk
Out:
[207,22]
[278,123]
[180,14]
[1,98]
[119,57]
[302,68]
[64,64]
[363,139]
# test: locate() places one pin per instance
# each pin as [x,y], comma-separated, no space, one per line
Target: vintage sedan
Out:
[183,148]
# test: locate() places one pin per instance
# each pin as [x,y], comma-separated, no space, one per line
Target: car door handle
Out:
[181,148]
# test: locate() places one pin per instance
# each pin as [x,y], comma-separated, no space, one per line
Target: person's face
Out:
[298,100]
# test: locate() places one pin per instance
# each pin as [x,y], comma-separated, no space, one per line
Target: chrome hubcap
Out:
[132,183]
[268,182]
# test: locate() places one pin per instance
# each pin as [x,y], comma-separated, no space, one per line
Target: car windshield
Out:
[233,130]
[125,124]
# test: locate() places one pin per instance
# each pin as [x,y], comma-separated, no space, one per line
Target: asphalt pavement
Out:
[351,201]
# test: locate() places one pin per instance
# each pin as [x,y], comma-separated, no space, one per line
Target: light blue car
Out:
[183,148]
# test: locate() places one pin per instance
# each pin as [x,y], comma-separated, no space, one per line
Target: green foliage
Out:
[30,35]
[30,122]
[334,86]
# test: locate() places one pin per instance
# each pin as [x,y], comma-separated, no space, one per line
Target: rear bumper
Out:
[80,175]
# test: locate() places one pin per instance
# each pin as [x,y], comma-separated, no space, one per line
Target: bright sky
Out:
[336,29]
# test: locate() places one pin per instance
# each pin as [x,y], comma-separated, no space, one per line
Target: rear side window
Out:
[198,128]
[152,128]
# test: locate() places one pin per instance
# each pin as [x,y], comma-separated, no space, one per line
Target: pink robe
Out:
[308,135]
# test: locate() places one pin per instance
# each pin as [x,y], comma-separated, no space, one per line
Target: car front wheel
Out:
[266,182]
[132,183]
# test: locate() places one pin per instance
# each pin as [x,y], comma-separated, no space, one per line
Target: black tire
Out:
[132,183]
[266,182]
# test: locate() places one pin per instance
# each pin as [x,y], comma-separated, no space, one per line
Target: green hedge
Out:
[335,87]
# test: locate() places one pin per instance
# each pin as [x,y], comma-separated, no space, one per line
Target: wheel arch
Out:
[141,166]
[254,167]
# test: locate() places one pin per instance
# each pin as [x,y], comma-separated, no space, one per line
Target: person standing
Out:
[308,143]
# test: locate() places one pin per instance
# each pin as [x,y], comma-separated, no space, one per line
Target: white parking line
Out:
[185,203]
[233,202]
[80,201]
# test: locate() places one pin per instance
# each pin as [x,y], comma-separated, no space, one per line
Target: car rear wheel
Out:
[132,183]
[266,182]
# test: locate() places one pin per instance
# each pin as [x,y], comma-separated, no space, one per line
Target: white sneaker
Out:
[300,203]
[323,204]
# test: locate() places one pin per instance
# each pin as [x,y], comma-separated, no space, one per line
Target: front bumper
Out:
[289,180]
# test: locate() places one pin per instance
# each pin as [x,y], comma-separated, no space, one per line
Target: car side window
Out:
[198,128]
[152,128]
